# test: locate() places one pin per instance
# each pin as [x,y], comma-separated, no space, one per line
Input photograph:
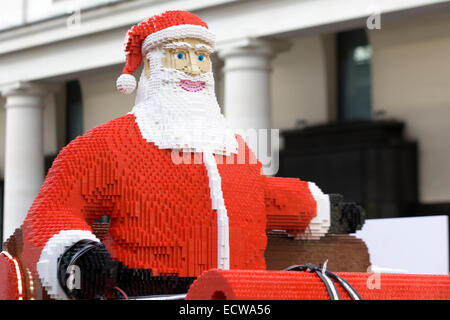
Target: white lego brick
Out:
[320,224]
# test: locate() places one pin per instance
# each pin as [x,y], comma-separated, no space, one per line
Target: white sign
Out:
[418,245]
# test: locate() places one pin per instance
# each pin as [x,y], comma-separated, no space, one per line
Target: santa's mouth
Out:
[192,86]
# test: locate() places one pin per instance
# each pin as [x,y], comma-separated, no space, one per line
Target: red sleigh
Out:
[17,283]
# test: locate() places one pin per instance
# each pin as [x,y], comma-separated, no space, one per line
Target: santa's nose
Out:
[193,68]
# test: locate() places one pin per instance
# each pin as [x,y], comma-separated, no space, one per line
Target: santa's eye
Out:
[201,58]
[180,56]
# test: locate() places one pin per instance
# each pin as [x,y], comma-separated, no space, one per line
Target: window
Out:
[74,110]
[73,118]
[354,56]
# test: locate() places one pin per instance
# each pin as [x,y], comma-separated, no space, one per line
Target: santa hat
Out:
[151,33]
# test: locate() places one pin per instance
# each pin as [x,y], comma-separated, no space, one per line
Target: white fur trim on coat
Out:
[320,224]
[47,265]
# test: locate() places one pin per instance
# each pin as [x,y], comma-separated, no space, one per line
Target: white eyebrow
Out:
[204,47]
[178,45]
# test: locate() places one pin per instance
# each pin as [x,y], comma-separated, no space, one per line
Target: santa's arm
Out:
[302,209]
[296,206]
[68,202]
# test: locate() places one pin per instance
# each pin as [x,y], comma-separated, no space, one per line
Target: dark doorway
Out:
[354,55]
[74,110]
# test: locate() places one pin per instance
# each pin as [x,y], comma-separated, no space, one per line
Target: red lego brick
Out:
[295,285]
[12,282]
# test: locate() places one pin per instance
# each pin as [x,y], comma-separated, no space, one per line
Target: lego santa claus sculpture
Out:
[169,221]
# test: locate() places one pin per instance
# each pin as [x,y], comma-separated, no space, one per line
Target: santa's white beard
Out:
[174,118]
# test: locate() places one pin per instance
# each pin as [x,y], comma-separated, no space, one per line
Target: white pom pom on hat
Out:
[126,83]
[141,38]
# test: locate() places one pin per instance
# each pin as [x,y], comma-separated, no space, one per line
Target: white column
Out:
[247,84]
[24,159]
[247,92]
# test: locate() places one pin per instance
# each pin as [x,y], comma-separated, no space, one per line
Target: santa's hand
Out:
[86,271]
[346,217]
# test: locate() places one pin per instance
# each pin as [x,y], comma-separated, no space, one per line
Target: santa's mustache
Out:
[173,77]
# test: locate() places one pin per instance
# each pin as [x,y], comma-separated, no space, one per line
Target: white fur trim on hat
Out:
[126,83]
[178,32]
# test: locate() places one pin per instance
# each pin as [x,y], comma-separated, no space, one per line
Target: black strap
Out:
[326,277]
[347,286]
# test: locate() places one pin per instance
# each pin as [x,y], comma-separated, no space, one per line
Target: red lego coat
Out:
[160,212]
